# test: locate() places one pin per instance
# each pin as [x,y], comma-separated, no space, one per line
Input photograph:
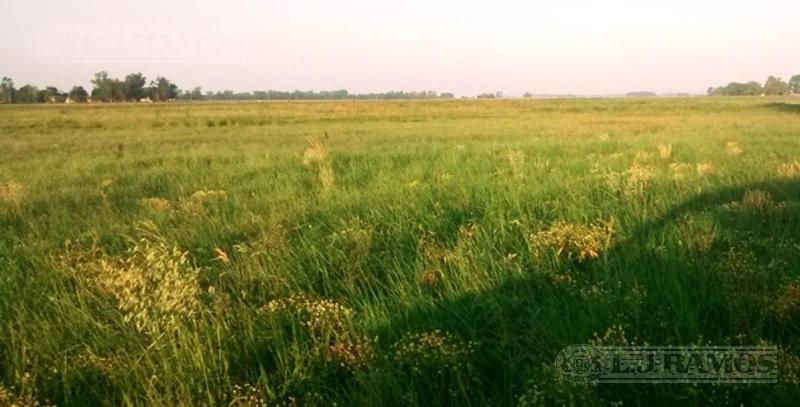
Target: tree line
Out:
[772,87]
[134,88]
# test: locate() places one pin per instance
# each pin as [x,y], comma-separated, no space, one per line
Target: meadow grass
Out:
[391,253]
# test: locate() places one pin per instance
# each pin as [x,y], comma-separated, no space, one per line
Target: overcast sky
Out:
[463,46]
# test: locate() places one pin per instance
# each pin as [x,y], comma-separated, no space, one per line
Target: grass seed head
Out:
[156,204]
[788,367]
[704,169]
[221,256]
[12,193]
[197,201]
[315,152]
[247,396]
[319,315]
[789,170]
[316,155]
[11,398]
[351,354]
[665,151]
[639,179]
[575,242]
[155,286]
[757,199]
[679,170]
[516,160]
[435,349]
[733,148]
[642,157]
[787,306]
[430,278]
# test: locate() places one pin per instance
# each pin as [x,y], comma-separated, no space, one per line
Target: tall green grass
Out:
[370,253]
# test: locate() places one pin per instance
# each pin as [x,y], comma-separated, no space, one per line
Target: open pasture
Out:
[391,253]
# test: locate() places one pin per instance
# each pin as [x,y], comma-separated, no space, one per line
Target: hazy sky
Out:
[463,46]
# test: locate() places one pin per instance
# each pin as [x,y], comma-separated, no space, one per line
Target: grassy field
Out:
[391,253]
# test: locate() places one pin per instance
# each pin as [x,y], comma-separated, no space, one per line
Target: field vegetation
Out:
[391,253]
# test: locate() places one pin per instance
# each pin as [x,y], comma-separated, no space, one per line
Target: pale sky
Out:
[463,46]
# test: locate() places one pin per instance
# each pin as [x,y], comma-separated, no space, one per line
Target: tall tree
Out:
[135,86]
[794,84]
[197,93]
[7,90]
[26,94]
[103,87]
[162,90]
[117,90]
[775,86]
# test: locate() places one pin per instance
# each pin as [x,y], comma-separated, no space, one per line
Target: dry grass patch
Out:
[156,204]
[197,201]
[733,148]
[757,199]
[787,306]
[316,155]
[516,160]
[154,286]
[789,170]
[704,169]
[574,242]
[665,151]
[12,193]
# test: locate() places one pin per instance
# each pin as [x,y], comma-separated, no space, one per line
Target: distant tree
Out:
[55,94]
[26,94]
[153,90]
[794,84]
[197,93]
[78,94]
[173,91]
[50,94]
[162,89]
[134,86]
[7,90]
[751,88]
[103,87]
[775,86]
[340,94]
[527,95]
[118,90]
